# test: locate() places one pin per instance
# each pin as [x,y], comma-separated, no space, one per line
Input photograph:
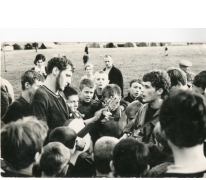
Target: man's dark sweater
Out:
[18,109]
[49,107]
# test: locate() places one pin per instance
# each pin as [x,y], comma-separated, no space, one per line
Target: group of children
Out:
[154,131]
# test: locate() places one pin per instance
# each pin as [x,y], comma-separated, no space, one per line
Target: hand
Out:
[80,143]
[124,136]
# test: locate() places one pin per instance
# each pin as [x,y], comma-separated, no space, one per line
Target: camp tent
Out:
[153,44]
[16,47]
[110,45]
[94,45]
[142,44]
[129,44]
[28,46]
[47,46]
[8,47]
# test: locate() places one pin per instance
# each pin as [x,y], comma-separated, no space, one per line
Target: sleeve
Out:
[38,107]
[124,103]
[129,127]
[13,113]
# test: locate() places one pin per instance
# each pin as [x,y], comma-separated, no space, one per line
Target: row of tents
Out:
[28,46]
[131,44]
[51,45]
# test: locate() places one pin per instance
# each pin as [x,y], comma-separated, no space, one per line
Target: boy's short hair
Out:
[61,63]
[86,83]
[135,80]
[110,90]
[88,65]
[100,72]
[132,109]
[103,149]
[30,76]
[21,140]
[159,79]
[65,135]
[200,80]
[130,158]
[54,158]
[177,75]
[183,118]
[69,91]
[107,56]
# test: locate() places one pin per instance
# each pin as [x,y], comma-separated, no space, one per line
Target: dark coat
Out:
[115,77]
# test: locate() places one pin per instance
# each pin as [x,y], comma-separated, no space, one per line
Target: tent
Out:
[153,44]
[8,47]
[142,44]
[129,44]
[162,44]
[47,46]
[94,45]
[28,46]
[16,47]
[110,45]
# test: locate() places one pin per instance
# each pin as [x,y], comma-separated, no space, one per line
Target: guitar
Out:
[83,130]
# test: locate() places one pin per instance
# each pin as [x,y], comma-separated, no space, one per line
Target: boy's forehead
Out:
[98,75]
[88,88]
[136,84]
[75,96]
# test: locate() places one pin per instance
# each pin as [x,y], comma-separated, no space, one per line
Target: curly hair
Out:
[159,79]
[61,63]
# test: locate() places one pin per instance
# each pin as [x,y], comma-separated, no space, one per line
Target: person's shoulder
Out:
[40,94]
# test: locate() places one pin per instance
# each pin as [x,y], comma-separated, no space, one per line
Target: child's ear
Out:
[27,85]
[159,91]
[37,158]
[111,164]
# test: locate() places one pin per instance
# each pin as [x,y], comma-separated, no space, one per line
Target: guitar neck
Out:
[86,129]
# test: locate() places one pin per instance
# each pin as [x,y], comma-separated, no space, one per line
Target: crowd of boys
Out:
[157,130]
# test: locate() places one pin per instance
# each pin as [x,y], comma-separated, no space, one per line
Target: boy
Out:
[130,159]
[54,160]
[84,165]
[21,144]
[178,78]
[135,91]
[100,80]
[183,124]
[30,82]
[199,83]
[156,86]
[103,150]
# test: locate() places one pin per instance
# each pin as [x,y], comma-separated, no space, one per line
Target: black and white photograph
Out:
[102,102]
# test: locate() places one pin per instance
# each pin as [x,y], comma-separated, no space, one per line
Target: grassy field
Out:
[133,62]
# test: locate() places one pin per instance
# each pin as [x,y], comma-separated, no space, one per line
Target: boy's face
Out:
[149,93]
[115,103]
[73,102]
[86,94]
[135,89]
[198,89]
[101,80]
[89,71]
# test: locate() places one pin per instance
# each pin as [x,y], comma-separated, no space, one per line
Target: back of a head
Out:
[132,109]
[60,62]
[65,135]
[200,80]
[110,90]
[159,79]
[86,83]
[69,91]
[54,158]
[21,140]
[30,76]
[183,118]
[177,76]
[103,149]
[130,158]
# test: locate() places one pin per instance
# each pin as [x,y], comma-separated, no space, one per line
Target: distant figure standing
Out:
[166,49]
[86,55]
[36,46]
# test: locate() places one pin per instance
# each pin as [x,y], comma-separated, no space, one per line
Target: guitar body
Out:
[77,125]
